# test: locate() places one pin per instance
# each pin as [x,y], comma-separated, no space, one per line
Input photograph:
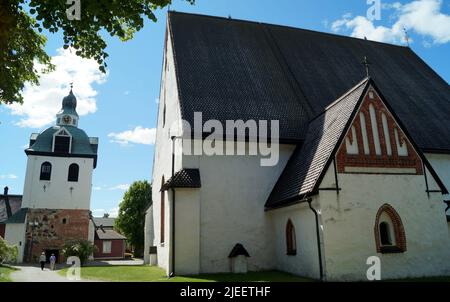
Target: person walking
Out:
[52,262]
[42,260]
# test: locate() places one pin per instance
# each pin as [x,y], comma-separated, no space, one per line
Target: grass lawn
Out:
[4,273]
[423,279]
[144,273]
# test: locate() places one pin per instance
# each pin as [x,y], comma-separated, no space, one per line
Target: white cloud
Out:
[122,187]
[8,176]
[100,211]
[138,135]
[42,102]
[114,212]
[423,17]
[96,188]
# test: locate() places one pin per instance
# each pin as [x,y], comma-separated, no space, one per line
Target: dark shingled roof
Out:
[308,161]
[107,234]
[237,250]
[185,178]
[18,217]
[105,222]
[232,69]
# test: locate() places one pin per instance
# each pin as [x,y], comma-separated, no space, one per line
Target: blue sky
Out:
[121,107]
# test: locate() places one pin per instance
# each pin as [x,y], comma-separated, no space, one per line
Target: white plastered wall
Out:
[15,235]
[162,162]
[349,219]
[57,193]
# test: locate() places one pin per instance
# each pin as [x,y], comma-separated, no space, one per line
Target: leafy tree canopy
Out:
[22,42]
[131,218]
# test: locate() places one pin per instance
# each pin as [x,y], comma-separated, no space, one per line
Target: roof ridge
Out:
[365,80]
[348,92]
[284,26]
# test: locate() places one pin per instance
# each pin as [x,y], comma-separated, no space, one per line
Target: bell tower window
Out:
[46,171]
[62,141]
[73,172]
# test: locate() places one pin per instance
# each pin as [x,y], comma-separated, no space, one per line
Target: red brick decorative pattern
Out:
[372,159]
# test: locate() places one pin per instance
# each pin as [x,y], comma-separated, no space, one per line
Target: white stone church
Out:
[364,155]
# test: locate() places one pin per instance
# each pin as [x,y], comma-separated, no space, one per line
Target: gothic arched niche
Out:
[389,231]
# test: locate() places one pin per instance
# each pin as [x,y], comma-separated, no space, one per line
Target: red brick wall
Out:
[55,227]
[2,230]
[117,249]
[372,160]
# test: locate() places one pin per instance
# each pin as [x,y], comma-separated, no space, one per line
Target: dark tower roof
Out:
[69,104]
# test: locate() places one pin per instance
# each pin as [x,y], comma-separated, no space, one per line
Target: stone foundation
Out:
[52,229]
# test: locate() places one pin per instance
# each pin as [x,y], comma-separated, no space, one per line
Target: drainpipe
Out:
[318,238]
[172,273]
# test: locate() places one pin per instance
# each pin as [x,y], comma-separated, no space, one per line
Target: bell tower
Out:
[58,183]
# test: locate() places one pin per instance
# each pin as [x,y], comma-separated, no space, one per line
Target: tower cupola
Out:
[68,115]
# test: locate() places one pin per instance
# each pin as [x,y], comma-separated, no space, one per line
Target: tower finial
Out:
[366,64]
[71,85]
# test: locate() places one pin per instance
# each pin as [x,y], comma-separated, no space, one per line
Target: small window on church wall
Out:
[73,172]
[385,236]
[291,248]
[62,144]
[46,171]
[389,232]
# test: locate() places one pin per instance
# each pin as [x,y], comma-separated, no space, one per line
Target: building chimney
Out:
[8,206]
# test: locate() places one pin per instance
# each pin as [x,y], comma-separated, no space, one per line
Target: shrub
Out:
[8,253]
[128,255]
[80,248]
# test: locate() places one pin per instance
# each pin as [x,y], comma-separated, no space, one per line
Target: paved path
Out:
[29,273]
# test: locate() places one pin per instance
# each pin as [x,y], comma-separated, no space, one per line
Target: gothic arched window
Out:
[291,244]
[46,171]
[73,172]
[389,232]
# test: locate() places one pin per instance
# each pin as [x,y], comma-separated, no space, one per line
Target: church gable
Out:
[375,143]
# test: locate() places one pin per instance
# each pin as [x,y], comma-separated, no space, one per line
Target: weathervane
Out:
[366,64]
[406,36]
[71,85]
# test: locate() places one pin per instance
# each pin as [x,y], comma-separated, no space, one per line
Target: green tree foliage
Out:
[80,248]
[131,219]
[23,21]
[8,253]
